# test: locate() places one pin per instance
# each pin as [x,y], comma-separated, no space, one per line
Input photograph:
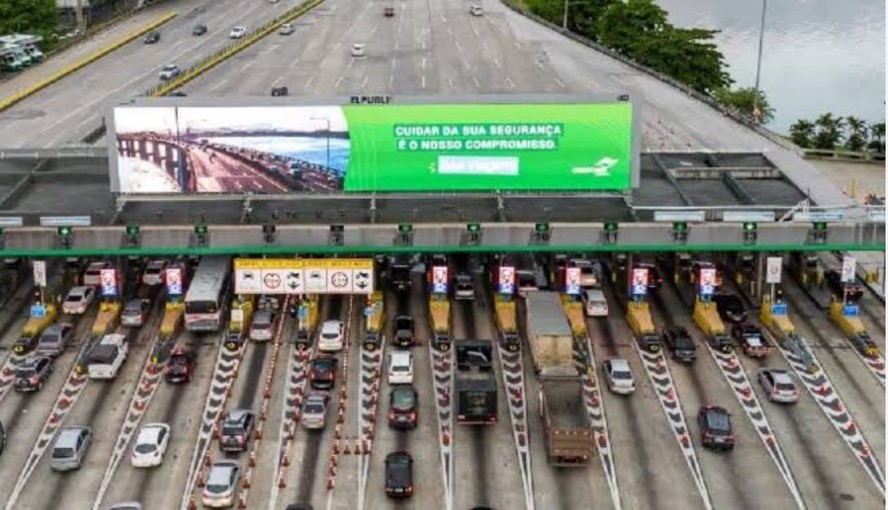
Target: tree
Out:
[877,138]
[28,16]
[829,131]
[856,133]
[802,133]
[583,16]
[623,26]
[743,100]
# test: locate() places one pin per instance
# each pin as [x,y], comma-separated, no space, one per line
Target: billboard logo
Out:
[601,169]
[572,280]
[370,99]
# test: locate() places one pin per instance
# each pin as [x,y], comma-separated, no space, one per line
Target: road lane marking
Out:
[394,63]
[510,82]
[351,63]
[423,62]
[309,80]
[423,81]
[391,80]
[364,82]
[559,82]
[475,79]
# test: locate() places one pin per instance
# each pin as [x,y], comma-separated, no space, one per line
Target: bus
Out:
[206,301]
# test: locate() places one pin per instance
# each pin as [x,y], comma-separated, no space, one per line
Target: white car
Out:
[93,274]
[222,485]
[619,376]
[287,29]
[78,300]
[154,272]
[476,10]
[150,445]
[594,303]
[779,385]
[400,368]
[262,328]
[169,71]
[237,32]
[331,337]
[357,50]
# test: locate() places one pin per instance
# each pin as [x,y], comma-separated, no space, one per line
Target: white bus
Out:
[206,301]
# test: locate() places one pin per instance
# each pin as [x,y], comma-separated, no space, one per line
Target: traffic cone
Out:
[247,476]
[242,502]
[336,446]
[259,431]
[253,459]
[346,449]
[282,481]
[286,460]
[200,480]
[330,483]
[192,505]
[208,459]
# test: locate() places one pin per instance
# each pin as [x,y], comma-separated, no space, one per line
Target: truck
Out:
[106,357]
[463,287]
[548,333]
[568,433]
[475,384]
[403,327]
[399,274]
[505,322]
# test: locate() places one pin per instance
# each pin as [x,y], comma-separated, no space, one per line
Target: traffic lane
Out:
[862,394]
[747,471]
[102,407]
[646,454]
[179,406]
[825,470]
[518,61]
[125,73]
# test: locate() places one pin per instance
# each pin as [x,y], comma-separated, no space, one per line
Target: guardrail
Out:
[845,156]
[22,94]
[708,100]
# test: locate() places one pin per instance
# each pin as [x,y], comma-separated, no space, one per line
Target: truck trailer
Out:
[548,333]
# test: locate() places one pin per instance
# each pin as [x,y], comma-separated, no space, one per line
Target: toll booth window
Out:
[476,403]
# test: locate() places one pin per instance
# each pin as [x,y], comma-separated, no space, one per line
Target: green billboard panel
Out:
[477,147]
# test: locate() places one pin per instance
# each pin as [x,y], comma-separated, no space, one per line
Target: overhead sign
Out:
[372,145]
[173,280]
[40,273]
[877,215]
[108,280]
[38,310]
[827,215]
[745,216]
[65,221]
[439,279]
[774,270]
[18,221]
[572,280]
[303,276]
[506,279]
[639,285]
[849,269]
[707,281]
[851,311]
[691,216]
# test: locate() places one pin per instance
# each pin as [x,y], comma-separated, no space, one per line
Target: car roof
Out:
[594,294]
[150,433]
[316,396]
[68,436]
[31,361]
[263,316]
[619,365]
[237,414]
[333,324]
[780,376]
[398,456]
[221,471]
[401,357]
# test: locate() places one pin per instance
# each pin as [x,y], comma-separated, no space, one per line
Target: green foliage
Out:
[877,138]
[743,100]
[829,131]
[802,133]
[28,16]
[855,135]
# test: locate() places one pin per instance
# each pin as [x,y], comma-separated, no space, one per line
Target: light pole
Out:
[328,137]
[758,66]
[566,7]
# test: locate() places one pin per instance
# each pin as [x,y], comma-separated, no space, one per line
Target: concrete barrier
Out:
[42,84]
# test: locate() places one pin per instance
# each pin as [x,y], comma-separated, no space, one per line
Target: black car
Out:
[299,506]
[398,475]
[236,430]
[32,373]
[280,92]
[403,407]
[730,307]
[679,341]
[833,279]
[715,428]
[403,331]
[180,367]
[152,37]
[302,339]
[199,30]
[322,373]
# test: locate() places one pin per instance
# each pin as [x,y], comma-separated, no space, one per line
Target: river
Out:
[819,55]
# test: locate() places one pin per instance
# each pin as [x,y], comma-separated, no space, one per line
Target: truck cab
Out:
[475,384]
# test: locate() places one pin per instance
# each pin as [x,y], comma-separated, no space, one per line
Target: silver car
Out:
[134,312]
[222,484]
[55,339]
[619,377]
[779,385]
[70,448]
[314,410]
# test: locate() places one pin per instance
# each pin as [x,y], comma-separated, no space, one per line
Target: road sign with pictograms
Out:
[304,276]
[774,270]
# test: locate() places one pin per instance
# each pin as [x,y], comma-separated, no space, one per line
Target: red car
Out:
[181,365]
[322,374]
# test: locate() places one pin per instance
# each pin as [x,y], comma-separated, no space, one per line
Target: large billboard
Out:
[373,148]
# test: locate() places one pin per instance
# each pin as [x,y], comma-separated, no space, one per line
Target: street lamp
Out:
[564,21]
[758,66]
[328,137]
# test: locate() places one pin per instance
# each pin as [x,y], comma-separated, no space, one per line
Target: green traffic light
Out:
[611,226]
[680,226]
[541,228]
[201,229]
[473,227]
[820,226]
[750,226]
[132,230]
[64,231]
[405,228]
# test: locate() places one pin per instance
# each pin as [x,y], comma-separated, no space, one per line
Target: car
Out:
[357,50]
[331,337]
[70,448]
[618,375]
[78,300]
[322,373]
[199,29]
[730,308]
[400,368]
[680,342]
[236,430]
[152,37]
[262,327]
[287,29]
[476,10]
[126,505]
[314,410]
[180,366]
[403,407]
[751,340]
[398,475]
[169,71]
[150,445]
[403,326]
[154,272]
[280,91]
[715,428]
[223,481]
[135,312]
[55,339]
[388,11]
[32,373]
[834,281]
[594,303]
[93,274]
[778,385]
[237,32]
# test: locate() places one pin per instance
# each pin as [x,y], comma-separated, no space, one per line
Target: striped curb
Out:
[7,373]
[442,372]
[512,370]
[333,460]
[733,371]
[657,370]
[875,364]
[828,400]
[371,374]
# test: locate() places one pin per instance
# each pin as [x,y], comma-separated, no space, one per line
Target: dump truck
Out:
[506,322]
[568,433]
[548,333]
[374,321]
[475,383]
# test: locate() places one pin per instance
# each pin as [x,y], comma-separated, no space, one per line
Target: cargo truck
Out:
[475,384]
[548,333]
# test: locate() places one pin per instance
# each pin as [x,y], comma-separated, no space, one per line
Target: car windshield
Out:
[62,453]
[718,421]
[754,339]
[403,400]
[232,430]
[398,470]
[314,407]
[622,375]
[217,488]
[683,342]
[330,336]
[145,448]
[323,364]
[25,372]
[49,338]
[74,298]
[782,386]
[179,360]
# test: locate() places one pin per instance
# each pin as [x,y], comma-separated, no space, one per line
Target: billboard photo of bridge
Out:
[231,150]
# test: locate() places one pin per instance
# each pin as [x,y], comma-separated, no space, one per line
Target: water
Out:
[313,150]
[819,55]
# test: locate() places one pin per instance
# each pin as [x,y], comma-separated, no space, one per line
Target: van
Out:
[594,303]
[357,50]
[400,368]
[70,448]
[476,10]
